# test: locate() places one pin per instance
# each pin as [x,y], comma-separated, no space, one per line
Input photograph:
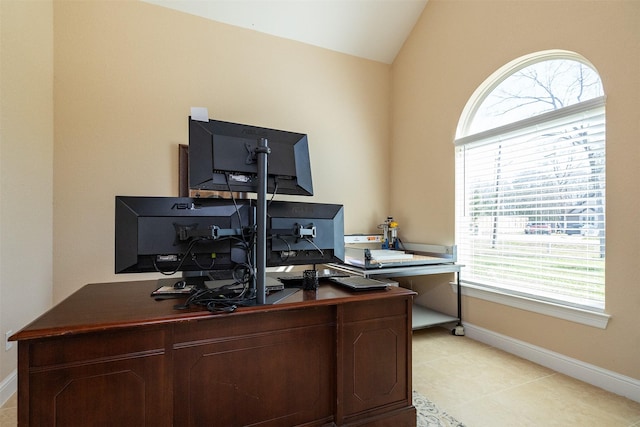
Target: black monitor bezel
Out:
[286,215]
[134,213]
[220,158]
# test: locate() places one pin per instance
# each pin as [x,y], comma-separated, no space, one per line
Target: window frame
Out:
[588,316]
[494,80]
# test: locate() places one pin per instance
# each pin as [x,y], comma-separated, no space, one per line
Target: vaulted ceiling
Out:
[371,29]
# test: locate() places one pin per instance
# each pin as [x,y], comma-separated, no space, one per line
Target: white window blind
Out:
[530,206]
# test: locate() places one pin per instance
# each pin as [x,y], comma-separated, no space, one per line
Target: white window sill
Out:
[577,315]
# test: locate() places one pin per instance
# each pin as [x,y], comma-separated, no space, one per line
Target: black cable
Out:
[215,300]
[315,246]
[233,199]
[207,297]
[188,251]
[223,299]
[194,258]
[216,308]
[289,251]
[248,245]
[275,190]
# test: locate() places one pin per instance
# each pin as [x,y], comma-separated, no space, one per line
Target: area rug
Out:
[430,416]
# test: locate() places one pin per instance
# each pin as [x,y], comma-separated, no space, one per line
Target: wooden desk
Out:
[111,355]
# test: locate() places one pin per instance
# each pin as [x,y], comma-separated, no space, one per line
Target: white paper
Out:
[200,114]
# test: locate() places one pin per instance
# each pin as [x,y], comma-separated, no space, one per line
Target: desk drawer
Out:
[97,347]
[250,323]
[375,309]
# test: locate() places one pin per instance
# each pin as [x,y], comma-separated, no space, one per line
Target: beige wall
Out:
[126,75]
[26,166]
[454,47]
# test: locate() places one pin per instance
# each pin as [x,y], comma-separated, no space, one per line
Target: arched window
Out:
[530,182]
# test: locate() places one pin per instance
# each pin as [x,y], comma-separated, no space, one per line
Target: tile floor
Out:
[9,413]
[482,386]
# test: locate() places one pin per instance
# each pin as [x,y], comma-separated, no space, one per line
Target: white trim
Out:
[572,314]
[571,110]
[591,374]
[8,387]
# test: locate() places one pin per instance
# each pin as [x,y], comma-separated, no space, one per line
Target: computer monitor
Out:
[304,233]
[222,158]
[171,234]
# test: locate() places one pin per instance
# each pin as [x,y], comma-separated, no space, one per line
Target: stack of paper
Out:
[382,255]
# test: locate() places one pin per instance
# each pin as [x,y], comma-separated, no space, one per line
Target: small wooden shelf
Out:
[425,318]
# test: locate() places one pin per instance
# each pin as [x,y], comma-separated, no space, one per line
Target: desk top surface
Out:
[103,306]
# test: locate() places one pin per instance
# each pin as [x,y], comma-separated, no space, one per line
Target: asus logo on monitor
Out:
[185,206]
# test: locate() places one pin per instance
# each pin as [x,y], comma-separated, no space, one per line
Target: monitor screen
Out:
[304,233]
[170,234]
[222,158]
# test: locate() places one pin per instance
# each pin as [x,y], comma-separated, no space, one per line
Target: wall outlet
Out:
[8,345]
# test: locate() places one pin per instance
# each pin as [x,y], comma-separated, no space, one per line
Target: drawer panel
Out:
[103,346]
[375,309]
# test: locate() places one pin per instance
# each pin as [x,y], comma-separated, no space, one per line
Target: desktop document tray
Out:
[421,254]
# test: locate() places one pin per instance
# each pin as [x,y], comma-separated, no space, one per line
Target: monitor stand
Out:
[197,281]
[196,278]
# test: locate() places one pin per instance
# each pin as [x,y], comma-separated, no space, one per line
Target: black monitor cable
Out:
[194,258]
[250,242]
[289,250]
[275,191]
[315,246]
[187,253]
[223,299]
[277,236]
[175,270]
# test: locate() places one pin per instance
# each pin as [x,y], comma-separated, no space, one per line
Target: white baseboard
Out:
[8,387]
[599,377]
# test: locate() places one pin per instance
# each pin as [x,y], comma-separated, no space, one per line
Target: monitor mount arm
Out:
[299,232]
[211,233]
[308,232]
[262,151]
